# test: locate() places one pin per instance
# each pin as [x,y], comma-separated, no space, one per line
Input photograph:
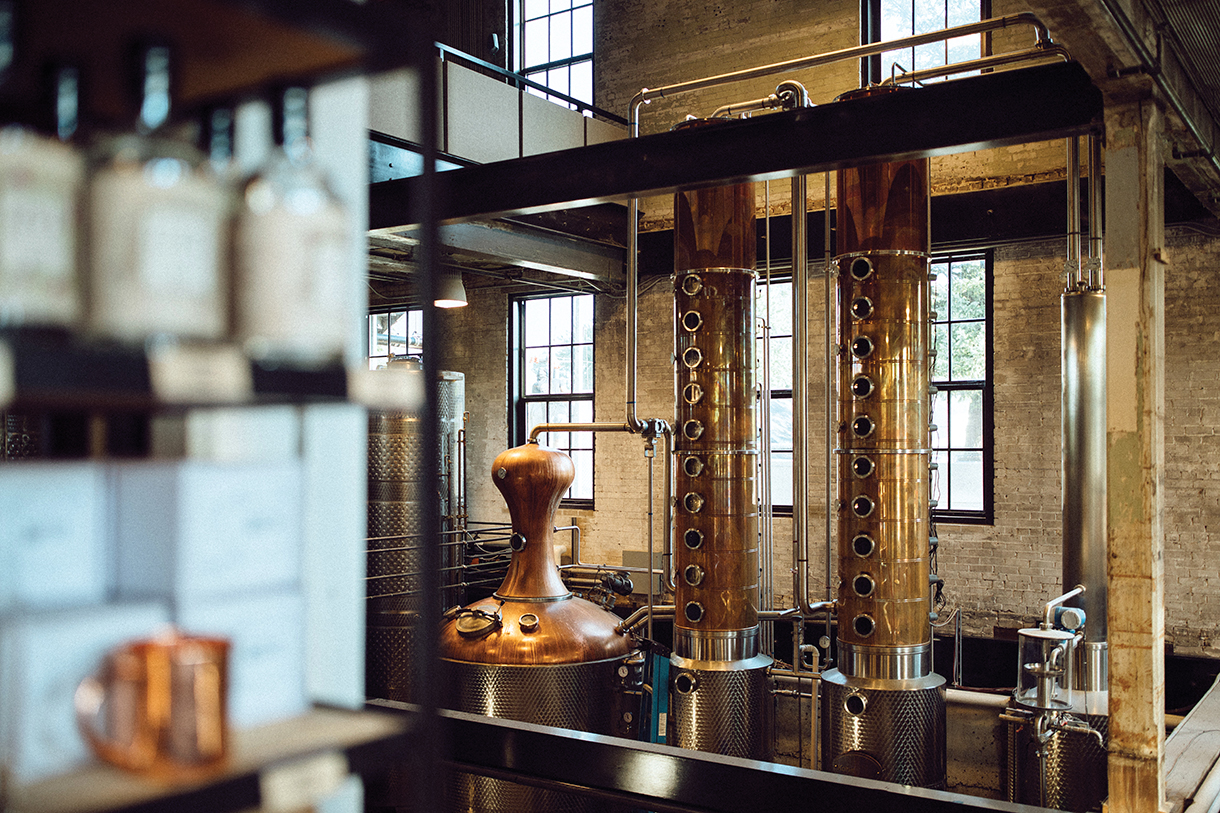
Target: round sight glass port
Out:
[692,321]
[692,284]
[692,465]
[685,683]
[693,612]
[861,307]
[861,347]
[692,357]
[693,538]
[861,268]
[862,426]
[862,386]
[862,506]
[855,704]
[863,585]
[693,502]
[693,575]
[863,625]
[692,429]
[862,466]
[692,393]
[863,545]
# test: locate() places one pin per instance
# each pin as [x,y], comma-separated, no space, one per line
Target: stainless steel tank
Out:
[883,709]
[395,488]
[532,651]
[719,698]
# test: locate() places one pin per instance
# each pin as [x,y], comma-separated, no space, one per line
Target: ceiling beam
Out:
[991,110]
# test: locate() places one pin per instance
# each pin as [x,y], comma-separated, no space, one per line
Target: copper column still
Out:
[532,651]
[883,708]
[719,689]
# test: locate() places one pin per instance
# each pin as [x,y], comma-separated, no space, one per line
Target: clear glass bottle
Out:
[158,227]
[292,265]
[40,192]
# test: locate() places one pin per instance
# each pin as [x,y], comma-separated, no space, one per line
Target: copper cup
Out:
[158,706]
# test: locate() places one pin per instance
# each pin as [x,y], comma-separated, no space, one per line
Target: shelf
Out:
[280,766]
[226,49]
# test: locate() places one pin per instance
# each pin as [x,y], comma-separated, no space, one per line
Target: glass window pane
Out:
[535,8]
[561,36]
[560,5]
[940,291]
[561,370]
[537,41]
[962,49]
[540,78]
[415,332]
[967,419]
[940,341]
[583,318]
[557,412]
[903,58]
[581,86]
[929,15]
[537,365]
[961,12]
[929,55]
[397,338]
[966,486]
[969,290]
[781,363]
[535,413]
[561,320]
[582,31]
[940,419]
[781,478]
[537,321]
[968,352]
[582,411]
[781,424]
[379,325]
[896,20]
[939,490]
[582,368]
[557,80]
[582,486]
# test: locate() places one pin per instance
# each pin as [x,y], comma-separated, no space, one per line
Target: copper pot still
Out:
[883,707]
[532,651]
[719,698]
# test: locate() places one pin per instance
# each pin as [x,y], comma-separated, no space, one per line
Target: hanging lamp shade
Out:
[450,292]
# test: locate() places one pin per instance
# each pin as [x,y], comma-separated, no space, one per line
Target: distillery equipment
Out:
[395,524]
[532,651]
[883,709]
[719,698]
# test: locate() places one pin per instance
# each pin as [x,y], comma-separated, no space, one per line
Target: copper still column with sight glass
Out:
[719,699]
[883,709]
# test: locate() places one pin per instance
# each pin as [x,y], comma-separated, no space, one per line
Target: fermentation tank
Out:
[883,709]
[719,699]
[532,651]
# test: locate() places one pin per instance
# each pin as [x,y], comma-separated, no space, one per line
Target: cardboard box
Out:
[44,655]
[52,535]
[190,530]
[267,659]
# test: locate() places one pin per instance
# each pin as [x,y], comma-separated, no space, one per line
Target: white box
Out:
[43,656]
[267,659]
[188,530]
[230,434]
[52,535]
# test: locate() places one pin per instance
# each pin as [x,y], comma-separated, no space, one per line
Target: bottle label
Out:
[178,251]
[36,237]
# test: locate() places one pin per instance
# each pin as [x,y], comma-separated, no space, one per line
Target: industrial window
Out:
[961,373]
[394,333]
[778,297]
[883,20]
[556,46]
[554,378]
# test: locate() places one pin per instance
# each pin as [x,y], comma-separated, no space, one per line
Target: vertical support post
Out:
[1135,472]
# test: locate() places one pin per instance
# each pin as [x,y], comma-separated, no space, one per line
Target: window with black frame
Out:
[393,334]
[961,374]
[553,379]
[777,297]
[882,20]
[555,46]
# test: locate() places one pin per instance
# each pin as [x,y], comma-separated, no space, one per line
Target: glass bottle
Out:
[158,226]
[40,190]
[292,264]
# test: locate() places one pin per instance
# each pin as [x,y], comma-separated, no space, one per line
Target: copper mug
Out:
[159,706]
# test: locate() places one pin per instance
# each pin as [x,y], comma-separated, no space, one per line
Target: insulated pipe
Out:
[1096,277]
[1071,267]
